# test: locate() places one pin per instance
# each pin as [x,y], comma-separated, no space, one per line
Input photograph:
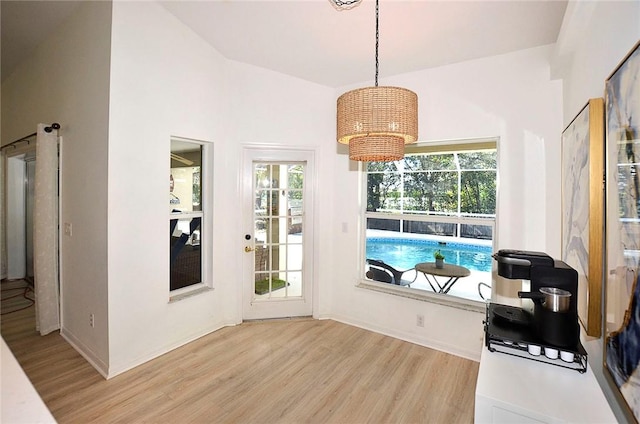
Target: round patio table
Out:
[452,272]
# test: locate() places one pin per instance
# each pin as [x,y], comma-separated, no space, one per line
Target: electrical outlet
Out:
[68,229]
[420,320]
[92,320]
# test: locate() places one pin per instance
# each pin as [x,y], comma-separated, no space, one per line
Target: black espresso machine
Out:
[549,331]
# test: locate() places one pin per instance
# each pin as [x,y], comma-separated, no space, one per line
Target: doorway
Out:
[278,242]
[20,190]
[43,210]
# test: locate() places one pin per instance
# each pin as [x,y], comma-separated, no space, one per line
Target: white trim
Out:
[473,355]
[60,233]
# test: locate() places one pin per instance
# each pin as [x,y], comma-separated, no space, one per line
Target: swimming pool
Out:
[402,253]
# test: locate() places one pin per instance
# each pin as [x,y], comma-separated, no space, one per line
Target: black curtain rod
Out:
[54,126]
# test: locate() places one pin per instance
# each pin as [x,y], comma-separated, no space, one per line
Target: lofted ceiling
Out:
[311,40]
[24,25]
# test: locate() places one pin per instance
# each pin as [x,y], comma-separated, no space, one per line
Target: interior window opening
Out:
[430,219]
[186,214]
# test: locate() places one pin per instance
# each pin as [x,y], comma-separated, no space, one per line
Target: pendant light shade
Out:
[376,122]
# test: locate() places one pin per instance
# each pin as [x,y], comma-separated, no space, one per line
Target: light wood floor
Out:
[284,371]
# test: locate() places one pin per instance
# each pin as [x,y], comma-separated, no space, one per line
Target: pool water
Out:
[406,253]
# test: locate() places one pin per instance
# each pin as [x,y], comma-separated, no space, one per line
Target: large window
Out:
[186,213]
[436,199]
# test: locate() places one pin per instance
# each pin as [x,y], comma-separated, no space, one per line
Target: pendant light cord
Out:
[377,42]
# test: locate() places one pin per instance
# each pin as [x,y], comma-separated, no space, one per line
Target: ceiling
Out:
[311,40]
[24,25]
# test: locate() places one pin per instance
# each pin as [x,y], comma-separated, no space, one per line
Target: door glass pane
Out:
[295,283]
[277,260]
[262,202]
[278,217]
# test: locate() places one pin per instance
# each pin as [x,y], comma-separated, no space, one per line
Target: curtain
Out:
[45,232]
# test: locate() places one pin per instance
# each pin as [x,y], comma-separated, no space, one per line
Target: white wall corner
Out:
[574,25]
[86,352]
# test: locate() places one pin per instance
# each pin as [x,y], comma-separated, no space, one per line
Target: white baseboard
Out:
[473,355]
[86,353]
[111,371]
[121,368]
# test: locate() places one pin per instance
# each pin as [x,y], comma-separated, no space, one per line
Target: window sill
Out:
[189,293]
[421,295]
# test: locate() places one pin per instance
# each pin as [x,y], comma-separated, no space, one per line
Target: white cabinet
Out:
[515,390]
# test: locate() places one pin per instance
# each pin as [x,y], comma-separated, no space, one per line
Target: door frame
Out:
[277,153]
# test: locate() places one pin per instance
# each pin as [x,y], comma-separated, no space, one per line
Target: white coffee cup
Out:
[534,350]
[551,353]
[567,356]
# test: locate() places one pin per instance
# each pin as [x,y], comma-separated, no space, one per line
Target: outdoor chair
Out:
[480,286]
[380,271]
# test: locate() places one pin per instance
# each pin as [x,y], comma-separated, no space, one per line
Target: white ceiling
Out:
[24,25]
[312,40]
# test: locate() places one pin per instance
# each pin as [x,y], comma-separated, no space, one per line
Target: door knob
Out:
[248,249]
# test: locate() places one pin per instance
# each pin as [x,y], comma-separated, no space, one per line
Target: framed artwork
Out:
[622,308]
[583,209]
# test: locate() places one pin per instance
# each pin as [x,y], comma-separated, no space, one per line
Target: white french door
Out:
[278,242]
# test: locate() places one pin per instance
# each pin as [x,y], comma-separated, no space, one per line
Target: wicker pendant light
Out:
[376,122]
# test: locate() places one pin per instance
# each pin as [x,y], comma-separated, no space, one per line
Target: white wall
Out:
[66,80]
[272,109]
[165,81]
[509,96]
[595,37]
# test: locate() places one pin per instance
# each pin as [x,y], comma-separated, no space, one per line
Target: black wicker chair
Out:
[380,271]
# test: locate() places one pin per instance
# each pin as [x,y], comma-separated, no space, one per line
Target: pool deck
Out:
[467,287]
